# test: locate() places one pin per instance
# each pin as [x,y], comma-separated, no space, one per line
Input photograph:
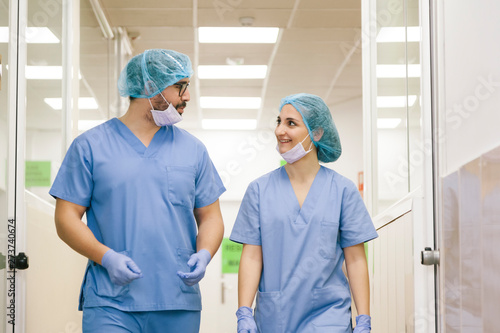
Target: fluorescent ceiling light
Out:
[398,34]
[84,103]
[230,102]
[395,101]
[411,99]
[84,125]
[232,72]
[87,103]
[55,103]
[237,35]
[229,124]
[398,71]
[388,122]
[34,35]
[44,72]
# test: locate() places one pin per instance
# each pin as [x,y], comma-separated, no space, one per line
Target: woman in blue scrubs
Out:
[298,224]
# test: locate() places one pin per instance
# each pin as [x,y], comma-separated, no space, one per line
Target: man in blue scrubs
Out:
[151,197]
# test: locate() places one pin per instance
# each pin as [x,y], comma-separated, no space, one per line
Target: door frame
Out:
[16,119]
[16,139]
[426,317]
[436,72]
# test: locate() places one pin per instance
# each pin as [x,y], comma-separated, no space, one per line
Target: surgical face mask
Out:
[169,116]
[296,153]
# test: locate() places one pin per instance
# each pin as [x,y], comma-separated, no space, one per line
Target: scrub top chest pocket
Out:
[181,185]
[328,239]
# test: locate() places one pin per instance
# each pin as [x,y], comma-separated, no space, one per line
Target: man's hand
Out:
[199,262]
[121,269]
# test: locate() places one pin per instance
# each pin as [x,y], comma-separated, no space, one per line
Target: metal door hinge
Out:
[430,257]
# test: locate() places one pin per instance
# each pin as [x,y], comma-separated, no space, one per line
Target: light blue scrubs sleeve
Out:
[246,229]
[356,225]
[208,186]
[73,182]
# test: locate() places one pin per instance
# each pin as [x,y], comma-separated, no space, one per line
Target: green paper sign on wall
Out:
[231,253]
[37,173]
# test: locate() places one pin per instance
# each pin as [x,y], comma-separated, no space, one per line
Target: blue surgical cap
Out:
[149,73]
[318,119]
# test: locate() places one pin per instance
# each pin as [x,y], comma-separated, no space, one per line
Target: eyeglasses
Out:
[182,87]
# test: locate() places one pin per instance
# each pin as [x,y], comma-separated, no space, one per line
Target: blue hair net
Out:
[149,73]
[319,121]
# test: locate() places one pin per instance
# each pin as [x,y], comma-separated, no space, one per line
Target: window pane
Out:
[43,84]
[417,148]
[391,106]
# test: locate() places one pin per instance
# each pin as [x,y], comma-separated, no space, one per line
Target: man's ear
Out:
[318,134]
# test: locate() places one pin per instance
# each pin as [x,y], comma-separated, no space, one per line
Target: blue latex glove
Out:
[363,324]
[199,262]
[246,322]
[121,269]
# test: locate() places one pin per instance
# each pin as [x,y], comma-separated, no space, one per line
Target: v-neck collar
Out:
[134,141]
[297,213]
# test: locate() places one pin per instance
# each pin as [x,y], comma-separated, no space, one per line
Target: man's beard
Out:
[162,105]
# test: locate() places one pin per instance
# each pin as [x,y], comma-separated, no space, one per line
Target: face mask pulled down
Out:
[296,153]
[168,116]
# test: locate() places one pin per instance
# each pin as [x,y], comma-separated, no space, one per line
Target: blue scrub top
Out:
[302,286]
[140,202]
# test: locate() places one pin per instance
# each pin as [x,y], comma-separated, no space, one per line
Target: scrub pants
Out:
[111,320]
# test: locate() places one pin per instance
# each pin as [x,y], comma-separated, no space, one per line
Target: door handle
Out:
[19,262]
[224,286]
[429,257]
[223,292]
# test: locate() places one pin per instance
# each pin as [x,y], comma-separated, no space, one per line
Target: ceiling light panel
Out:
[229,124]
[84,125]
[34,35]
[388,123]
[239,35]
[398,71]
[398,34]
[232,72]
[209,102]
[44,72]
[84,103]
[230,114]
[395,101]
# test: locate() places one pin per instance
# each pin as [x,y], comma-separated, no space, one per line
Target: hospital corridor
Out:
[345,154]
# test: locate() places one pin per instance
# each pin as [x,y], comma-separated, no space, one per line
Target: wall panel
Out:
[392,286]
[470,233]
[54,276]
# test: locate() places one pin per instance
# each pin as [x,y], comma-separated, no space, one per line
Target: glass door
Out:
[32,128]
[396,77]
[13,260]
[398,159]
[55,270]
[4,60]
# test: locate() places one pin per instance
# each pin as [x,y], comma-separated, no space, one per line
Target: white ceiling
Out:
[315,52]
